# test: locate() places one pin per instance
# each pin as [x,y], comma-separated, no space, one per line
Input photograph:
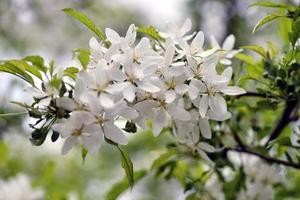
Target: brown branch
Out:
[254,94]
[284,120]
[264,157]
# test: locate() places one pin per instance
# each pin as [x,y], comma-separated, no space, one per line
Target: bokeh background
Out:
[37,27]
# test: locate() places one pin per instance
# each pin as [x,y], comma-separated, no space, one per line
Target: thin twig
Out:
[284,120]
[264,157]
[13,114]
[254,94]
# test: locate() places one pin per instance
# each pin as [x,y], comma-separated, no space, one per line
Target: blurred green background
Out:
[29,27]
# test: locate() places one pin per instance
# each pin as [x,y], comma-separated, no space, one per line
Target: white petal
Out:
[80,88]
[143,45]
[227,73]
[203,105]
[233,90]
[36,92]
[130,35]
[205,128]
[129,93]
[179,113]
[112,36]
[169,55]
[214,43]
[199,85]
[105,100]
[206,147]
[218,116]
[69,143]
[170,96]
[159,122]
[225,61]
[181,88]
[193,92]
[217,103]
[92,142]
[128,113]
[93,43]
[198,41]
[229,43]
[204,155]
[186,27]
[66,103]
[148,87]
[115,134]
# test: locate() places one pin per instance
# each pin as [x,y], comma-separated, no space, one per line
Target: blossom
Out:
[226,51]
[175,32]
[176,86]
[80,127]
[19,188]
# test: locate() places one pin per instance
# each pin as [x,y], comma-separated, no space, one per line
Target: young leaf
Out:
[26,67]
[127,166]
[269,4]
[36,61]
[123,185]
[151,32]
[162,159]
[84,152]
[258,49]
[84,19]
[245,58]
[266,20]
[83,56]
[71,72]
[15,70]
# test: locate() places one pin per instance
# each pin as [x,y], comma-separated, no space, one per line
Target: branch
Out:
[264,157]
[254,94]
[284,120]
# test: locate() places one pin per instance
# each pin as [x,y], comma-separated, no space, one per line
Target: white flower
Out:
[137,78]
[44,95]
[212,90]
[161,112]
[190,136]
[78,102]
[196,126]
[175,32]
[80,127]
[115,38]
[194,50]
[19,188]
[105,118]
[226,52]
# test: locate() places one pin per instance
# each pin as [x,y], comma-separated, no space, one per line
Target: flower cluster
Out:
[172,81]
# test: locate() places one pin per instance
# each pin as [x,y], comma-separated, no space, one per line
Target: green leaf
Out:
[269,4]
[232,188]
[123,185]
[84,19]
[258,49]
[127,166]
[151,32]
[4,151]
[26,67]
[84,153]
[162,159]
[36,61]
[266,20]
[17,71]
[83,56]
[71,72]
[245,58]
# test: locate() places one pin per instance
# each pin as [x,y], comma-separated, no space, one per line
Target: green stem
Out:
[13,114]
